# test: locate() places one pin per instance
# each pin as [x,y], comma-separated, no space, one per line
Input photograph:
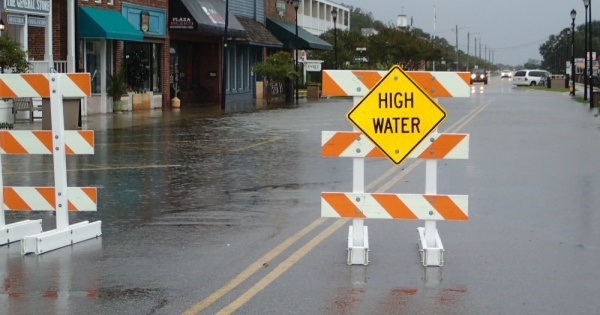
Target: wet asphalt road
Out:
[201,213]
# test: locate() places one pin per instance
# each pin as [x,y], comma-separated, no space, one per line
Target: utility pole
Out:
[456,29]
[468,42]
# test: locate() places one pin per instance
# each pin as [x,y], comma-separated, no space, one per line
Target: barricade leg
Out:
[430,244]
[358,233]
[15,231]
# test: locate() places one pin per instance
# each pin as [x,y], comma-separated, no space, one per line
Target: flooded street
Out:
[211,212]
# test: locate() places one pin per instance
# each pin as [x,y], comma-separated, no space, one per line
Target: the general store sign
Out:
[37,7]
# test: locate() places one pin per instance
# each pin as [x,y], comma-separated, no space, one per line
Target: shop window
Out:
[143,64]
[92,64]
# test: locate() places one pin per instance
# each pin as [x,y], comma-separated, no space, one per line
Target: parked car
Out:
[529,77]
[506,74]
[479,75]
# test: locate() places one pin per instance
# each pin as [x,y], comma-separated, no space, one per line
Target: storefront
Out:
[196,30]
[135,39]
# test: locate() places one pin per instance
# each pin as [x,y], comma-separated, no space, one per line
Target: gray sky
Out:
[514,29]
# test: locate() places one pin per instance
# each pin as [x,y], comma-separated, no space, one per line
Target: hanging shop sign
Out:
[37,22]
[15,19]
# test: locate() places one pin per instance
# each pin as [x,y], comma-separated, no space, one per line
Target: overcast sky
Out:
[514,29]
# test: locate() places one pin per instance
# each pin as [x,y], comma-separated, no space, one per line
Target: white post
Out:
[358,236]
[48,57]
[430,245]
[24,34]
[58,146]
[70,35]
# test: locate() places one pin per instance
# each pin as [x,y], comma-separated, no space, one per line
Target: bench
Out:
[24,104]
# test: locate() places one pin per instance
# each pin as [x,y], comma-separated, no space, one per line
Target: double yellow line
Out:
[296,256]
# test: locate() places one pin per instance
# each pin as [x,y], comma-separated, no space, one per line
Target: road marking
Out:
[296,256]
[282,267]
[254,267]
[256,144]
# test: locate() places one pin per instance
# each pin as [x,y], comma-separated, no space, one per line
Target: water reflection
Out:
[49,283]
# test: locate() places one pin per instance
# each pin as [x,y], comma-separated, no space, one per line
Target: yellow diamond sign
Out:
[396,115]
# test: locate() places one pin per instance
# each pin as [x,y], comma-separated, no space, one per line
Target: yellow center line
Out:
[254,267]
[282,267]
[296,256]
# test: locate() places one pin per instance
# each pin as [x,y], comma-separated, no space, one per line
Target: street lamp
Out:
[573,15]
[586,3]
[334,17]
[296,3]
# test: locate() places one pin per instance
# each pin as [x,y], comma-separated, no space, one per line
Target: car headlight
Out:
[481,76]
[473,76]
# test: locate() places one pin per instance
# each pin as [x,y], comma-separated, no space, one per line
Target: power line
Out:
[521,46]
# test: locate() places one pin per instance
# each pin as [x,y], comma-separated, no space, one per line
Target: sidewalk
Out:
[162,116]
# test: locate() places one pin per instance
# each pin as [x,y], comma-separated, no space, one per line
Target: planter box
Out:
[312,92]
[142,101]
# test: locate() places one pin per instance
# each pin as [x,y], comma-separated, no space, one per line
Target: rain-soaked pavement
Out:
[209,211]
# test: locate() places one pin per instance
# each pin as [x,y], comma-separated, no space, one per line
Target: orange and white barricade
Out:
[359,205]
[57,142]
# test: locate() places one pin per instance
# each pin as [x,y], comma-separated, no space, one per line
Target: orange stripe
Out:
[45,138]
[13,201]
[5,91]
[71,207]
[88,135]
[338,143]
[39,83]
[68,150]
[330,87]
[90,192]
[375,153]
[342,205]
[423,80]
[446,207]
[82,80]
[10,145]
[394,206]
[48,194]
[442,146]
[465,76]
[368,78]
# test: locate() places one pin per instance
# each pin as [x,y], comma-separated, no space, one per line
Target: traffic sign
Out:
[396,115]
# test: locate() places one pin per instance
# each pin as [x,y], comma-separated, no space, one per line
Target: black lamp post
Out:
[334,17]
[573,15]
[296,3]
[585,67]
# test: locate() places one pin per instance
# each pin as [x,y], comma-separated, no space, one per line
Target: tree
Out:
[13,59]
[275,69]
[533,64]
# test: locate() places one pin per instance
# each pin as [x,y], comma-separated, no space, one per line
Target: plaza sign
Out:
[37,7]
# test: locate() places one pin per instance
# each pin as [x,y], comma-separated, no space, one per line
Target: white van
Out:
[529,77]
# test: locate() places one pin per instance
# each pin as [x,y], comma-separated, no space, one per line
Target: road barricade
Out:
[359,205]
[57,142]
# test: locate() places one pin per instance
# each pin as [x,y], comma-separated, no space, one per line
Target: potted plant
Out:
[116,87]
[175,102]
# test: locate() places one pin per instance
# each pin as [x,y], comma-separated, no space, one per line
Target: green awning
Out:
[106,24]
[286,33]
